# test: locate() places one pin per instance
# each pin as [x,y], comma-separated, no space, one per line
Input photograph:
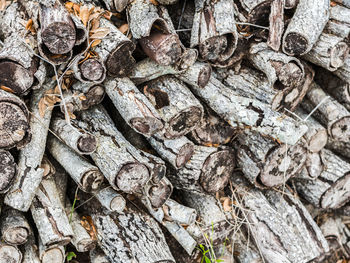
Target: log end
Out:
[118,204]
[94,96]
[86,244]
[92,180]
[120,62]
[318,141]
[158,194]
[92,70]
[132,177]
[16,236]
[340,130]
[9,254]
[146,126]
[15,77]
[217,170]
[59,37]
[184,155]
[338,55]
[53,255]
[87,143]
[295,45]
[204,76]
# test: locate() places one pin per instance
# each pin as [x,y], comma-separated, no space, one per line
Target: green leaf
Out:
[70,256]
[219,260]
[207,260]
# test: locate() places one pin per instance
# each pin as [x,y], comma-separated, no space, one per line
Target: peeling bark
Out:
[276,24]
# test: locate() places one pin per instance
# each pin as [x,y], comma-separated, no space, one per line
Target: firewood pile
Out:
[148,131]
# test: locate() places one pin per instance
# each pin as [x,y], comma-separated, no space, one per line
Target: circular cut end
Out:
[10,254]
[184,122]
[15,77]
[53,255]
[92,69]
[290,75]
[213,48]
[184,155]
[217,170]
[204,76]
[59,37]
[158,194]
[146,126]
[87,143]
[340,130]
[120,61]
[338,55]
[132,177]
[318,141]
[94,96]
[338,194]
[13,124]
[16,235]
[295,44]
[314,165]
[280,166]
[118,204]
[91,180]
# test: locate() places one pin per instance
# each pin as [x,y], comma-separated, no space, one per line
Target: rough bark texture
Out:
[177,106]
[343,72]
[14,227]
[276,24]
[31,252]
[331,189]
[87,176]
[214,31]
[111,199]
[305,27]
[240,111]
[339,21]
[49,215]
[29,174]
[255,11]
[133,106]
[179,213]
[8,170]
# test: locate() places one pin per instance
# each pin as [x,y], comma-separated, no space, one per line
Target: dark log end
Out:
[165,49]
[184,122]
[87,143]
[92,69]
[339,54]
[290,4]
[8,170]
[94,96]
[260,14]
[132,177]
[217,170]
[280,166]
[158,194]
[147,126]
[338,194]
[160,98]
[53,255]
[15,77]
[14,124]
[212,48]
[55,58]
[158,172]
[86,244]
[184,155]
[92,180]
[204,76]
[59,37]
[289,75]
[295,44]
[120,62]
[340,130]
[16,236]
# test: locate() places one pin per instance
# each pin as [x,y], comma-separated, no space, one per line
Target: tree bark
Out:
[266,163]
[133,106]
[305,27]
[111,199]
[339,21]
[239,111]
[179,213]
[14,227]
[29,173]
[8,170]
[177,106]
[51,254]
[152,26]
[276,24]
[87,176]
[31,251]
[49,215]
[214,31]
[9,253]
[330,189]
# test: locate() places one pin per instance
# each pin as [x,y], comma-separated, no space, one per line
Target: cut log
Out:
[330,113]
[340,148]
[214,31]
[329,52]
[133,106]
[305,27]
[280,225]
[179,213]
[51,254]
[314,165]
[152,26]
[208,170]
[148,243]
[276,24]
[29,173]
[31,251]
[91,70]
[265,162]
[8,170]
[77,139]
[121,163]
[87,176]
[9,253]
[330,190]
[177,106]
[111,199]
[14,227]
[339,21]
[213,130]
[49,215]
[49,168]
[255,11]
[176,151]
[159,193]
[240,111]
[14,127]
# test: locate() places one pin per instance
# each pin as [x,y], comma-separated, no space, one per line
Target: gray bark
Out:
[111,199]
[9,253]
[305,26]
[87,176]
[239,111]
[133,106]
[14,227]
[8,170]
[255,11]
[29,174]
[177,106]
[179,213]
[276,24]
[31,251]
[339,21]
